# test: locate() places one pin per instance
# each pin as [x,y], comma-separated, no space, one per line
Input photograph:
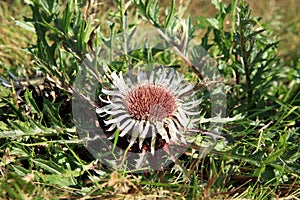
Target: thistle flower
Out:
[146,104]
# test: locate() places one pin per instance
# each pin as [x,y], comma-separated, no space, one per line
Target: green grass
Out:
[42,155]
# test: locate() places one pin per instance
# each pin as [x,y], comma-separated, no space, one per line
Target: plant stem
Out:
[244,60]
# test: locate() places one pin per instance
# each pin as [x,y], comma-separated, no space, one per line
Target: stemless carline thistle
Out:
[147,103]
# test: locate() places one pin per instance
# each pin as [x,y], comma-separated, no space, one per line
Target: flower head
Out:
[148,104]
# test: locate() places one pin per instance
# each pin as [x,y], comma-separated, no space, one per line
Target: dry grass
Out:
[13,37]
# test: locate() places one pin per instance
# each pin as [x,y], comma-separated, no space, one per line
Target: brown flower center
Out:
[148,102]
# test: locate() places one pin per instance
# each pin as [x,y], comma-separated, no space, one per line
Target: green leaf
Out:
[49,166]
[63,180]
[170,14]
[67,16]
[116,139]
[19,152]
[87,31]
[22,126]
[21,171]
[26,25]
[274,156]
[31,101]
[214,23]
[52,112]
[217,4]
